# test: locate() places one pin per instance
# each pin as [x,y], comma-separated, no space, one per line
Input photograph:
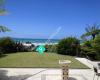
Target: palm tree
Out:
[91,31]
[2,7]
[4,29]
[2,11]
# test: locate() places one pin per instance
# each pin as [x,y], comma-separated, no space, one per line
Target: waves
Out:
[42,41]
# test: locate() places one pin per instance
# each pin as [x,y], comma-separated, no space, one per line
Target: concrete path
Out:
[89,63]
[74,74]
[44,74]
[86,62]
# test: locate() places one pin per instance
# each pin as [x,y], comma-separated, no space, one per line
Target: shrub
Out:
[7,45]
[96,46]
[19,47]
[51,48]
[92,48]
[69,46]
[91,53]
[87,44]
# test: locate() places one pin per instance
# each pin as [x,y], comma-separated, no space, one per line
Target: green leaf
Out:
[4,29]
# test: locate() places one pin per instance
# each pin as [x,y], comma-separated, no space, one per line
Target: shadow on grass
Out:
[3,55]
[3,76]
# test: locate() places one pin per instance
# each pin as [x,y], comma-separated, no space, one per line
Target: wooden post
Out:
[65,69]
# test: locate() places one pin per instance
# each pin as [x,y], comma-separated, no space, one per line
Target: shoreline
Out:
[37,44]
[26,40]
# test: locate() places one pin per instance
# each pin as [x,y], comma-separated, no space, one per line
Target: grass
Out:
[35,60]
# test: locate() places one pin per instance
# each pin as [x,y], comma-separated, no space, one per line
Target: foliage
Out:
[96,46]
[51,48]
[86,51]
[91,48]
[4,29]
[7,45]
[19,47]
[69,46]
[91,31]
[2,8]
[87,44]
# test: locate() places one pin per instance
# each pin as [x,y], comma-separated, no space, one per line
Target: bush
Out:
[7,45]
[87,44]
[92,48]
[69,46]
[51,48]
[19,47]
[96,46]
[91,53]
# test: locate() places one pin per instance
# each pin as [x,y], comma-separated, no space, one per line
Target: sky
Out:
[42,18]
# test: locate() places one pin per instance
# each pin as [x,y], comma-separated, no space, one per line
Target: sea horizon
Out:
[35,40]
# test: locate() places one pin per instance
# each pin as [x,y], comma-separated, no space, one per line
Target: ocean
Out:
[23,40]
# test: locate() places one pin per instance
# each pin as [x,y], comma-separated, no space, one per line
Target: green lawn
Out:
[33,59]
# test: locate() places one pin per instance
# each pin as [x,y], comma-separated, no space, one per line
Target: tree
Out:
[69,46]
[2,11]
[91,31]
[7,45]
[96,44]
[4,29]
[2,7]
[87,50]
[91,48]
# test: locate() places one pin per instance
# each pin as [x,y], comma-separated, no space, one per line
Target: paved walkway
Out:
[89,63]
[75,74]
[43,74]
[86,62]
